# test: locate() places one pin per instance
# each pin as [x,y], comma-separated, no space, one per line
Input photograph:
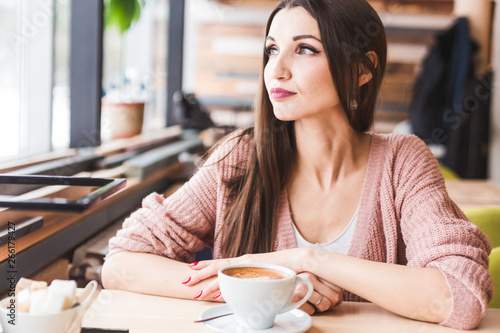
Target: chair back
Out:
[495,274]
[448,173]
[488,220]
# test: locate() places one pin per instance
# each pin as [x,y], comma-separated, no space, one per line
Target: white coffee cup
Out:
[50,323]
[256,301]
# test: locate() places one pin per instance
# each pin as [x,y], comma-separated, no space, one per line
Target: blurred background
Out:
[214,51]
[139,89]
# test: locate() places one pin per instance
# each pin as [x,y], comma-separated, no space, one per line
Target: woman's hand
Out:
[207,269]
[325,296]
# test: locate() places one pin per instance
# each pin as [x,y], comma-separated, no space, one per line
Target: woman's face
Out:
[297,75]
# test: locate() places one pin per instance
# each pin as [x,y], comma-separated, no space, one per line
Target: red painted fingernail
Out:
[193,264]
[187,280]
[216,295]
[199,294]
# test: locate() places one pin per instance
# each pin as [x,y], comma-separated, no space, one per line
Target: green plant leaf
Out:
[121,13]
[137,11]
[107,14]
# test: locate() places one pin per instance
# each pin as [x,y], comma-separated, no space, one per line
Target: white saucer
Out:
[295,321]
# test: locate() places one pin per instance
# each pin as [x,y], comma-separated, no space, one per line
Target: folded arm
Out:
[151,274]
[417,293]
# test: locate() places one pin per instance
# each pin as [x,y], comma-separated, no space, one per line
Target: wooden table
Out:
[152,314]
[473,193]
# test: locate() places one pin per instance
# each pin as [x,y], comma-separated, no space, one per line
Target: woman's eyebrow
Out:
[298,37]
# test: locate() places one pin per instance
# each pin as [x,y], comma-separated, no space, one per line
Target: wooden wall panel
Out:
[410,25]
[228,61]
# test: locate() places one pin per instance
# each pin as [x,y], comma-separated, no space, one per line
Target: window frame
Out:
[86,73]
[86,68]
[36,76]
[175,43]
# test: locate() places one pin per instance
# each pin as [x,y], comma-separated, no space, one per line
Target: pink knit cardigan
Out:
[405,217]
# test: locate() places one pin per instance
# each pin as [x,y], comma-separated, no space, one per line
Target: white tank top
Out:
[340,244]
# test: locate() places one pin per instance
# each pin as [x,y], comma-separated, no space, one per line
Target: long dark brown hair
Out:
[349,30]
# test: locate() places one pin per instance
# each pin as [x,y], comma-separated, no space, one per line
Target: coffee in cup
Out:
[256,273]
[256,293]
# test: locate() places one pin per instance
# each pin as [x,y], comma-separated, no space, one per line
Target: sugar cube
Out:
[38,301]
[55,301]
[24,300]
[36,298]
[33,285]
[67,288]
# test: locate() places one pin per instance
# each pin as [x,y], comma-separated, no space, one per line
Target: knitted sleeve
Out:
[438,235]
[183,223]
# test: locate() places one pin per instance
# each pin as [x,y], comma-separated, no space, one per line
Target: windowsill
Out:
[61,232]
[105,149]
[13,165]
[55,222]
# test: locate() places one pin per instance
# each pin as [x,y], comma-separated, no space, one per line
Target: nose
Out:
[280,67]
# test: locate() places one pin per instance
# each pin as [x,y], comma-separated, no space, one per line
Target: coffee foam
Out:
[255,273]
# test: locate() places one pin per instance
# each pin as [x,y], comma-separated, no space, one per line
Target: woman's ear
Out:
[365,75]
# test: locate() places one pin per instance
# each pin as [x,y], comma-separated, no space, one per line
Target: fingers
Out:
[320,302]
[324,297]
[211,292]
[204,270]
[337,289]
[339,300]
[307,308]
[199,265]
[201,275]
[339,294]
[316,302]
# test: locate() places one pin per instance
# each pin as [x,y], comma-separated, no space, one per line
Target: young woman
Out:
[366,217]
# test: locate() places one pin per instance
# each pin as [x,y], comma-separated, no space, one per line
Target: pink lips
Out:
[279,93]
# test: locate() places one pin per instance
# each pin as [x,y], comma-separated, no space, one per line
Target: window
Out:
[30,64]
[35,44]
[61,90]
[9,79]
[26,40]
[134,65]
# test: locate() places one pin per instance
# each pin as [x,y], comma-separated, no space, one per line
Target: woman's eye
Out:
[307,50]
[271,50]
